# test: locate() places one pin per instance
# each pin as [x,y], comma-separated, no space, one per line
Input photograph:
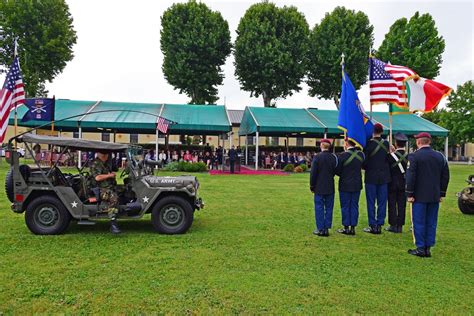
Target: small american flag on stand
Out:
[162,124]
[387,83]
[12,95]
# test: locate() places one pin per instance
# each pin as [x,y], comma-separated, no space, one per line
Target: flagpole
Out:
[15,54]
[390,115]
[156,145]
[370,56]
[52,123]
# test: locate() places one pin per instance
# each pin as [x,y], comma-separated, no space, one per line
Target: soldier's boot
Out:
[114,229]
[399,229]
[427,252]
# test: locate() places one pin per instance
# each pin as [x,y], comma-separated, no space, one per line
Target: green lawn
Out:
[251,250]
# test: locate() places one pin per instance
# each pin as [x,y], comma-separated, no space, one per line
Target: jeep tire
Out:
[46,215]
[172,215]
[9,185]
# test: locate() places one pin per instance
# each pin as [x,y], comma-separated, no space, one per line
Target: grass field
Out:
[251,250]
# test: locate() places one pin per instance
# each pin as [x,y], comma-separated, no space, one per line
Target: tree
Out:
[341,31]
[45,39]
[414,44]
[270,51]
[459,115]
[195,42]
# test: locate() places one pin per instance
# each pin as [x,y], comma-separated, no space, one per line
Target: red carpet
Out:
[247,171]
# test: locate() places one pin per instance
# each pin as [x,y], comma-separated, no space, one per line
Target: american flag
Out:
[162,125]
[12,95]
[387,83]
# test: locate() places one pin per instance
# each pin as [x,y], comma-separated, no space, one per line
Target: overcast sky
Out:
[118,56]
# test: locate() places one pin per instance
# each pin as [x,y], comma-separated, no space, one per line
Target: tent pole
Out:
[446,147]
[256,152]
[246,149]
[79,153]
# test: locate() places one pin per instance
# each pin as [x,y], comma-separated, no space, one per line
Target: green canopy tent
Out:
[313,122]
[127,117]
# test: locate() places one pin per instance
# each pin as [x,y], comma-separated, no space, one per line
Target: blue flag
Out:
[352,118]
[39,110]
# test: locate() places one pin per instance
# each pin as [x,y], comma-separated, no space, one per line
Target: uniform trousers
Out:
[397,202]
[349,207]
[373,193]
[323,207]
[425,220]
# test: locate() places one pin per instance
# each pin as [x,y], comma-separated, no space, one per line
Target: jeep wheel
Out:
[9,185]
[46,215]
[172,215]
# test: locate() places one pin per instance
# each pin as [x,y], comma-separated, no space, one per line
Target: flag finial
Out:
[342,59]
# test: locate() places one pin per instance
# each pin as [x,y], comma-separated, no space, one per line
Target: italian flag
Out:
[424,94]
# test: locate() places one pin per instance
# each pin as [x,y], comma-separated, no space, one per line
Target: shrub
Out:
[299,169]
[304,167]
[186,166]
[172,166]
[289,168]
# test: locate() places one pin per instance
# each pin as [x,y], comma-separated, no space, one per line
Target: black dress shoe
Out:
[325,233]
[352,231]
[344,230]
[371,229]
[392,229]
[399,229]
[419,252]
[427,252]
[316,232]
[378,229]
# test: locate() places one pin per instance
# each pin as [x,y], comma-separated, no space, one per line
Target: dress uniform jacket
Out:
[427,175]
[350,177]
[398,168]
[376,165]
[323,169]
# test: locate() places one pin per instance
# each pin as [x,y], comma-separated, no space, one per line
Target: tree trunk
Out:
[336,101]
[267,102]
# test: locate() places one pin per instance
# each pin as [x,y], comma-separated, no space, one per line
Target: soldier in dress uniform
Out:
[323,169]
[426,184]
[377,176]
[397,200]
[350,185]
[103,175]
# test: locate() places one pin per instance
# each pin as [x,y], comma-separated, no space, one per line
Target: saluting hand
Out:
[411,199]
[441,199]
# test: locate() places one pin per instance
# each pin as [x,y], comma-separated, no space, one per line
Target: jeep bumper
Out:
[199,204]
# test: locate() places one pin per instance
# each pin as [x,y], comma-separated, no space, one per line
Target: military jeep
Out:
[51,198]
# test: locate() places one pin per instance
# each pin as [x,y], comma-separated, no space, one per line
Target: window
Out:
[224,136]
[250,140]
[300,141]
[134,138]
[275,141]
[106,137]
[75,134]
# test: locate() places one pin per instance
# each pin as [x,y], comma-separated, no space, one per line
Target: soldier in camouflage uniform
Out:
[105,179]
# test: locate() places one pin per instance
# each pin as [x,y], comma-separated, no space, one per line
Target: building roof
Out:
[235,116]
